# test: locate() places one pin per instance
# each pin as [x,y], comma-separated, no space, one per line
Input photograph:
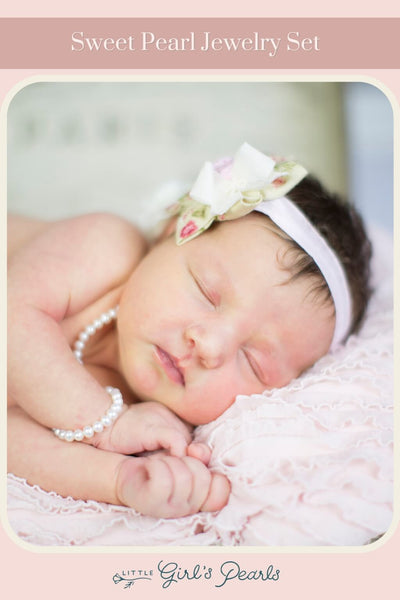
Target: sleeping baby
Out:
[118,348]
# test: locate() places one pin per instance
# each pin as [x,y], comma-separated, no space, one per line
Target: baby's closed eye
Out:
[206,290]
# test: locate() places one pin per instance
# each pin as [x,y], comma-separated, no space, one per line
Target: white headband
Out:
[292,221]
[234,187]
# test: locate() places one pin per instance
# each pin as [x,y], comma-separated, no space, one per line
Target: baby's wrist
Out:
[101,428]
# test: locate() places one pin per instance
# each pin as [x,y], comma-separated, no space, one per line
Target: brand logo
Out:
[170,574]
[131,576]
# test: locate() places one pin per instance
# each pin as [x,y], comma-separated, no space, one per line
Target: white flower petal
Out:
[203,190]
[252,166]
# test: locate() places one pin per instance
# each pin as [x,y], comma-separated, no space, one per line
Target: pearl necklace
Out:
[117,402]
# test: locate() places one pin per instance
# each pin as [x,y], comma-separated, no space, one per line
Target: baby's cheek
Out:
[143,380]
[278,377]
[209,404]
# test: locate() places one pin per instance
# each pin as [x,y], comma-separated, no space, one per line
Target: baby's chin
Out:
[191,418]
[196,419]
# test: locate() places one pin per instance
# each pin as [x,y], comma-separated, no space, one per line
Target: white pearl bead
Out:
[83,336]
[61,434]
[78,435]
[112,414]
[98,427]
[97,323]
[90,330]
[88,431]
[69,436]
[79,345]
[118,401]
[106,421]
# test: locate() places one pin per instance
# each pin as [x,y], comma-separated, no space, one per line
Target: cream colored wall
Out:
[78,147]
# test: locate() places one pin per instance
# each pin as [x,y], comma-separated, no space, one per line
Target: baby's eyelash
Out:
[205,292]
[252,365]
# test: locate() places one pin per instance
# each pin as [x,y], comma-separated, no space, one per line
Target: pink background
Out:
[328,43]
[206,8]
[312,574]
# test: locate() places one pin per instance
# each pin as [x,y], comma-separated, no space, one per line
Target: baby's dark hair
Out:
[342,227]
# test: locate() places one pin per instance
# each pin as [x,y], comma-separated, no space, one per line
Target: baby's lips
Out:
[218,494]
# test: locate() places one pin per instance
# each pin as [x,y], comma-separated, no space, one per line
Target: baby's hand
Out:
[145,427]
[166,486]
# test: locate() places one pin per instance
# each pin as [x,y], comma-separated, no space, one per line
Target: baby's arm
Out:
[21,230]
[55,275]
[160,485]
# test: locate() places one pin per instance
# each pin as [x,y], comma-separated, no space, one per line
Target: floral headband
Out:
[252,181]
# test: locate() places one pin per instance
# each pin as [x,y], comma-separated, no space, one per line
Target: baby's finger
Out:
[201,481]
[161,438]
[200,451]
[145,484]
[178,504]
[218,494]
[180,486]
[166,486]
[172,440]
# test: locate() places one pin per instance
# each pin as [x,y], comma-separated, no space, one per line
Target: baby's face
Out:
[200,323]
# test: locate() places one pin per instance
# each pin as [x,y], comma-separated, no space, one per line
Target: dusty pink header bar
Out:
[213,43]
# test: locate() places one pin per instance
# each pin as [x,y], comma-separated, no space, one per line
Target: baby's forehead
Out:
[246,226]
[254,236]
[260,247]
[248,249]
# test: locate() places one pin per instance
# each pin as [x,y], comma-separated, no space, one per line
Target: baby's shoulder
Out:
[75,261]
[108,236]
[106,244]
[108,248]
[100,233]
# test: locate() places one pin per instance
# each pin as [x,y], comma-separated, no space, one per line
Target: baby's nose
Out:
[211,343]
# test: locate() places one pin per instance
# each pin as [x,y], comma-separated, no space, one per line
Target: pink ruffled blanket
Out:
[309,464]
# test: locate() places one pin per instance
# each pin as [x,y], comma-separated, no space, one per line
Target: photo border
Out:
[210,78]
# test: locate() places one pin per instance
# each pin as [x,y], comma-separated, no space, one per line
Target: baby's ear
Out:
[167,229]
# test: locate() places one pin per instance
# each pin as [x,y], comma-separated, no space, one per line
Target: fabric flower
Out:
[188,229]
[231,188]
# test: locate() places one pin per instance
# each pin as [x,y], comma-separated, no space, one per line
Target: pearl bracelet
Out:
[89,430]
[117,403]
